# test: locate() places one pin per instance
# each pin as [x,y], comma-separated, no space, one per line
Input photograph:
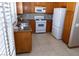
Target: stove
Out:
[40,24]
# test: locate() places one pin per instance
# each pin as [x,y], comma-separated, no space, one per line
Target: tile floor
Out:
[46,45]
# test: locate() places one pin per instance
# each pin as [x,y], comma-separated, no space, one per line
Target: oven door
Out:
[40,27]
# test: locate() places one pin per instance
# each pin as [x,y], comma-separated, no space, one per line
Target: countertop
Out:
[18,29]
[23,30]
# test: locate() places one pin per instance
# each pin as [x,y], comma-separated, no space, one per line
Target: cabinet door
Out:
[60,4]
[50,7]
[68,21]
[27,7]
[26,39]
[19,7]
[32,25]
[48,25]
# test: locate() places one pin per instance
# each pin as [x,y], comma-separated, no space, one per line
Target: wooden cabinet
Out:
[49,6]
[37,4]
[19,7]
[27,7]
[60,4]
[23,41]
[68,21]
[48,25]
[32,25]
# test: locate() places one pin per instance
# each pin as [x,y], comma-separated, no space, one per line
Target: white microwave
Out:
[40,9]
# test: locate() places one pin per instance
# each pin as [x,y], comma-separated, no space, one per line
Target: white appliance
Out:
[40,9]
[40,24]
[58,22]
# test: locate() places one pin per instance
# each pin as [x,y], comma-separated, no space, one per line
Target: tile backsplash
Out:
[31,16]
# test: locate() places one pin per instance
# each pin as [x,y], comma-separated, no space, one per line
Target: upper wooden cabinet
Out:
[60,4]
[49,6]
[19,7]
[27,7]
[37,4]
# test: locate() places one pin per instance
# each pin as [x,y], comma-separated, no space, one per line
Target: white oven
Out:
[40,24]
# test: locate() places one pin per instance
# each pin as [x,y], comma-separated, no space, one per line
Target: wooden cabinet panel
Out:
[27,7]
[19,7]
[71,6]
[43,4]
[23,41]
[68,22]
[67,26]
[48,25]
[32,24]
[50,6]
[61,4]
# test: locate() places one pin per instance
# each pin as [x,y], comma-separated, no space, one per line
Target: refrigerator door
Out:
[59,16]
[58,22]
[74,41]
[74,36]
[57,32]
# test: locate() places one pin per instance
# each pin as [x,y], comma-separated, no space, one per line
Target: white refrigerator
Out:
[58,22]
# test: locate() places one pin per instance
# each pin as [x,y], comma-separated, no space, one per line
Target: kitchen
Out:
[40,28]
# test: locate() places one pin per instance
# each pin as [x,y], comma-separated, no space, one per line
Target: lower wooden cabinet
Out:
[23,41]
[32,25]
[49,26]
